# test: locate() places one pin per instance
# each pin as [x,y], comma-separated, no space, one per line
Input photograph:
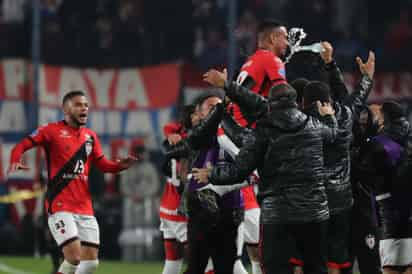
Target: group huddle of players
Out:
[329,172]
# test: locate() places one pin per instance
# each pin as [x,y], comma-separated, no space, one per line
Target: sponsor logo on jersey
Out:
[34,133]
[282,72]
[64,133]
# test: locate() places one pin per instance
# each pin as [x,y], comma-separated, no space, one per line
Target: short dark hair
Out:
[267,26]
[316,91]
[203,97]
[392,110]
[68,96]
[299,84]
[185,115]
[282,92]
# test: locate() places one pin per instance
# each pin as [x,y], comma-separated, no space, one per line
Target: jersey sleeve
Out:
[274,68]
[253,69]
[40,136]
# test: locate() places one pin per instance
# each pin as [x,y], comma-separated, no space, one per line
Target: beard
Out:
[76,120]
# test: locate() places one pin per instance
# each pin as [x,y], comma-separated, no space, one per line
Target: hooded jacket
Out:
[287,149]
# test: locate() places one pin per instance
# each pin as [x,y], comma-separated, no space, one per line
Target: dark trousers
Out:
[216,241]
[278,240]
[364,245]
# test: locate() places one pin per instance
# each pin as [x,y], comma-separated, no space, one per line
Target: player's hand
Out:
[16,167]
[327,54]
[215,78]
[125,163]
[174,138]
[368,67]
[325,108]
[201,175]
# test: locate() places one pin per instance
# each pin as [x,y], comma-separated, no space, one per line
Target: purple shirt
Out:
[216,156]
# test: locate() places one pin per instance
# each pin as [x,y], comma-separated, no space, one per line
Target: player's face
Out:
[78,110]
[207,105]
[281,41]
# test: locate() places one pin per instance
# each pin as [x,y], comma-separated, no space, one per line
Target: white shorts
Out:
[396,252]
[251,227]
[67,227]
[174,230]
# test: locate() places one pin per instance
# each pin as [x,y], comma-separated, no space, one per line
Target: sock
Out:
[209,267]
[256,267]
[172,266]
[87,267]
[238,268]
[67,268]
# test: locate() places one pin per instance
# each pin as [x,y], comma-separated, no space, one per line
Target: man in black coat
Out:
[287,150]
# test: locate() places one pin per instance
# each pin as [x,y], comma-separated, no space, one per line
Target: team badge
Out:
[89,147]
[370,241]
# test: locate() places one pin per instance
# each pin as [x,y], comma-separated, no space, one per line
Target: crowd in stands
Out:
[124,33]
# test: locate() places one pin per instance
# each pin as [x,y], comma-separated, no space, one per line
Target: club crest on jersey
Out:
[89,144]
[370,241]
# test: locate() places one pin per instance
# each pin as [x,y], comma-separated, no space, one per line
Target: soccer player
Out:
[70,150]
[264,69]
[261,71]
[172,224]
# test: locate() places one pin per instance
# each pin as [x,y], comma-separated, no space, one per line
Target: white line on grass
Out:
[11,270]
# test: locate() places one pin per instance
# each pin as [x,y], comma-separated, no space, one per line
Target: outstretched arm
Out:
[339,92]
[357,99]
[16,154]
[248,159]
[250,103]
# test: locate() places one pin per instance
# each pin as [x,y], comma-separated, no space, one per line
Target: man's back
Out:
[292,176]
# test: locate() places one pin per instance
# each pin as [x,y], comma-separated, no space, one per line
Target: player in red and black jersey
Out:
[70,149]
[263,70]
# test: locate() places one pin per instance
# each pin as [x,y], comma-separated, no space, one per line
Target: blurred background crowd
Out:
[145,32]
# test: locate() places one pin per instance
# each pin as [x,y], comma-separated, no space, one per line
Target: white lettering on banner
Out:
[113,123]
[96,119]
[130,90]
[14,77]
[12,117]
[164,118]
[72,79]
[101,81]
[47,96]
[48,115]
[138,122]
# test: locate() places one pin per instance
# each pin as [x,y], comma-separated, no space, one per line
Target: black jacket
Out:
[287,149]
[337,155]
